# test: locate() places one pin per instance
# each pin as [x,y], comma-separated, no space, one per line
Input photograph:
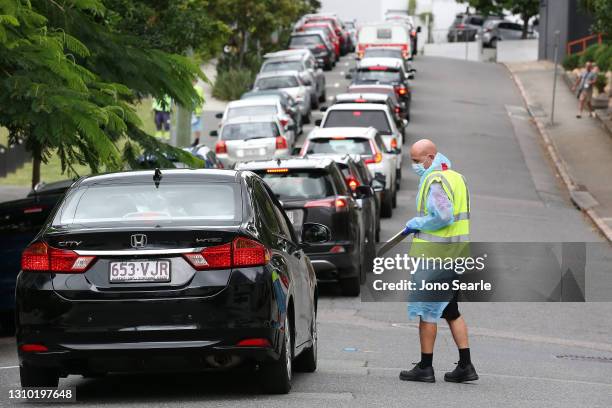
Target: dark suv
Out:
[315,191]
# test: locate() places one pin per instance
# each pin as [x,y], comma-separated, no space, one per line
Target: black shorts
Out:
[451,311]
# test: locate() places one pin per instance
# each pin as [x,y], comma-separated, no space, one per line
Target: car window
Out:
[171,203]
[266,208]
[249,130]
[380,74]
[382,53]
[340,183]
[305,40]
[277,82]
[282,66]
[298,183]
[476,20]
[340,145]
[379,143]
[259,110]
[383,33]
[358,118]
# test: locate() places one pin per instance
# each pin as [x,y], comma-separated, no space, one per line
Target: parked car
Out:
[337,24]
[303,62]
[264,106]
[314,191]
[351,27]
[384,89]
[390,100]
[318,43]
[327,29]
[251,138]
[20,222]
[500,30]
[466,26]
[207,154]
[366,115]
[383,34]
[365,142]
[289,105]
[413,29]
[383,71]
[132,295]
[290,82]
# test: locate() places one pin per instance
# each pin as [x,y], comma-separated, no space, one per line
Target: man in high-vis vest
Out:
[440,229]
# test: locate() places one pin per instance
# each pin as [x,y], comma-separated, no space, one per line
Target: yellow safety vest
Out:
[450,241]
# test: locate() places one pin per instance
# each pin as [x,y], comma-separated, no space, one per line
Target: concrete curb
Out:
[559,163]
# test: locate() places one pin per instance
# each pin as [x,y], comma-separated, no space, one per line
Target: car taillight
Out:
[339,203]
[401,90]
[461,25]
[220,147]
[281,142]
[43,258]
[240,252]
[247,252]
[284,122]
[352,182]
[256,342]
[397,109]
[394,143]
[377,158]
[320,46]
[33,348]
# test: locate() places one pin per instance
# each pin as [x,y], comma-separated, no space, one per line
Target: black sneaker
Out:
[418,374]
[462,374]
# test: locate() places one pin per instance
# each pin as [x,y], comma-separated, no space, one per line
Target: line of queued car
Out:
[197,269]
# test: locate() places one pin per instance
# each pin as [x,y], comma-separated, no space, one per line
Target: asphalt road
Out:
[474,113]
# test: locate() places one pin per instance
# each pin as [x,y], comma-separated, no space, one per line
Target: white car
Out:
[262,106]
[365,142]
[290,82]
[251,138]
[365,115]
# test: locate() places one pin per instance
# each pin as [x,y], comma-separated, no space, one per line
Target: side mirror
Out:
[313,233]
[219,115]
[364,191]
[323,108]
[410,75]
[348,76]
[292,127]
[413,70]
[379,182]
[418,29]
[318,122]
[214,133]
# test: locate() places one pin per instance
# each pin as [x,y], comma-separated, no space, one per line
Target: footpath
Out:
[581,149]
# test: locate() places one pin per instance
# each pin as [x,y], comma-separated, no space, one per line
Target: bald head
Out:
[423,151]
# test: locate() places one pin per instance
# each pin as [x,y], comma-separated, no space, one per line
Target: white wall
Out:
[361,10]
[517,51]
[453,50]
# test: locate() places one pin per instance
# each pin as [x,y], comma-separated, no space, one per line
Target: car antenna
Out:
[278,162]
[157,177]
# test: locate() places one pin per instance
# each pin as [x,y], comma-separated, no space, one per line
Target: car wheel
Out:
[38,377]
[277,375]
[307,361]
[386,208]
[323,96]
[398,178]
[351,286]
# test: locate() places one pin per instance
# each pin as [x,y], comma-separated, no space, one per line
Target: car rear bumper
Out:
[331,267]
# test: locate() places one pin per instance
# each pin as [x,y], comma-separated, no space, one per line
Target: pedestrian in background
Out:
[196,116]
[161,109]
[584,88]
[443,226]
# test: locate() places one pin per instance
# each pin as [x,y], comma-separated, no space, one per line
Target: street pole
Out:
[552,110]
[466,45]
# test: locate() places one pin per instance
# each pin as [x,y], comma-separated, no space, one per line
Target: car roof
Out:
[342,131]
[291,163]
[288,53]
[250,119]
[266,93]
[368,96]
[383,47]
[381,62]
[288,57]
[338,158]
[320,33]
[273,74]
[386,87]
[214,175]
[358,106]
[262,100]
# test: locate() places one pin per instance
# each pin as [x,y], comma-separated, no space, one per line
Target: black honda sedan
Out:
[167,270]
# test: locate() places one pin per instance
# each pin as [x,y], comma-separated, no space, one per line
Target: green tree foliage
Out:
[69,79]
[602,10]
[412,5]
[484,7]
[525,8]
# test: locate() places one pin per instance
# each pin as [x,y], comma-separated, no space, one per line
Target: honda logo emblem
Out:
[139,240]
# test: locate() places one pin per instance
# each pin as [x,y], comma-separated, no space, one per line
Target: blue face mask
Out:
[418,168]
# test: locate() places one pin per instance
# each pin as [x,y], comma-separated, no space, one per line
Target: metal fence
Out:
[12,158]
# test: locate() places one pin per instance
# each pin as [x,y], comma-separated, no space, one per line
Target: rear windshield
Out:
[305,40]
[277,82]
[144,204]
[358,118]
[299,184]
[382,53]
[260,110]
[389,75]
[250,130]
[355,145]
[282,66]
[381,35]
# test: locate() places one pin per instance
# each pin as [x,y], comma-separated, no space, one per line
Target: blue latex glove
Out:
[409,230]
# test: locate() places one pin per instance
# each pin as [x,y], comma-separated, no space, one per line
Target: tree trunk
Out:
[35,168]
[525,26]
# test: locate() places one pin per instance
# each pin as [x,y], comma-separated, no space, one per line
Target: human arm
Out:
[440,211]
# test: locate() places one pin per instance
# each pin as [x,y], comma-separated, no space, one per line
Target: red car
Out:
[328,29]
